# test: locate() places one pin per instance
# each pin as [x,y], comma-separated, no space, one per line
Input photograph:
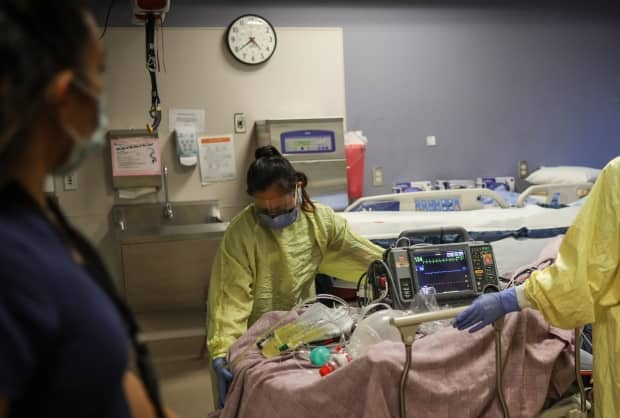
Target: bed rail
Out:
[564,193]
[408,326]
[434,200]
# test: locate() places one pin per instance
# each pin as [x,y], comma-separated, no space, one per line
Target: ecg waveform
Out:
[450,285]
[428,273]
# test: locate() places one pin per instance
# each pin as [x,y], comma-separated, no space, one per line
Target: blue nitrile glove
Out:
[224,376]
[487,309]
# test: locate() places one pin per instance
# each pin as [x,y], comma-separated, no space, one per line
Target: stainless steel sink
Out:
[146,222]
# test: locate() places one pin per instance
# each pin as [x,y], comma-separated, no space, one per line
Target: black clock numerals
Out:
[251,39]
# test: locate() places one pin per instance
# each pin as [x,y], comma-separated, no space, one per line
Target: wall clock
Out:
[251,39]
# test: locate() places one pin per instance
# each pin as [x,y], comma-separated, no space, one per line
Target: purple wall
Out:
[494,82]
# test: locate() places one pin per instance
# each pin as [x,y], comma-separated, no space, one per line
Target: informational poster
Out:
[217,158]
[187,118]
[135,157]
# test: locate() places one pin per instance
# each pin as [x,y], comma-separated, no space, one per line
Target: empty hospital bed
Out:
[454,200]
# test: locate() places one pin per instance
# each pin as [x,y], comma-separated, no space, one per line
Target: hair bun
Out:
[266,152]
[302,178]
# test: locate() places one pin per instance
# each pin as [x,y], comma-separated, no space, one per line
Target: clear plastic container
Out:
[372,330]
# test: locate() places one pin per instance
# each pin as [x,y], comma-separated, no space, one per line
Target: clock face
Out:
[251,39]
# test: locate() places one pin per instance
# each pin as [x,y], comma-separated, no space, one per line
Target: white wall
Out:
[304,78]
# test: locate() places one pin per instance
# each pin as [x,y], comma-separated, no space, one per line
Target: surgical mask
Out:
[279,221]
[282,220]
[83,147]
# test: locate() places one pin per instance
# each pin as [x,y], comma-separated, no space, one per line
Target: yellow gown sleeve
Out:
[584,271]
[348,255]
[230,297]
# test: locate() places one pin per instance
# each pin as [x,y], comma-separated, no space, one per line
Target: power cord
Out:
[368,277]
[107,19]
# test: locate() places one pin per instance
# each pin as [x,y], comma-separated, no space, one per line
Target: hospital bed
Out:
[546,193]
[455,200]
[493,183]
[516,368]
[517,234]
[453,374]
[575,406]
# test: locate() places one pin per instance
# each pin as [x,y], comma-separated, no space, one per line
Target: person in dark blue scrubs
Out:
[65,334]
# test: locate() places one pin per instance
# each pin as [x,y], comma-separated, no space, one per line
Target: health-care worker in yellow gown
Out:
[271,253]
[581,287]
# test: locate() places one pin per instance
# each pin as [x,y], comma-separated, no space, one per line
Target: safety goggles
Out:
[277,206]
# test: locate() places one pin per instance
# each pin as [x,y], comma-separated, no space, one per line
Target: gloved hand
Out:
[224,376]
[486,309]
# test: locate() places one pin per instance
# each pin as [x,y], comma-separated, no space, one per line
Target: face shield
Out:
[279,212]
[278,206]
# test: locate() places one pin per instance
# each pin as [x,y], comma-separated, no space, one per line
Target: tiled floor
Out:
[186,387]
[184,377]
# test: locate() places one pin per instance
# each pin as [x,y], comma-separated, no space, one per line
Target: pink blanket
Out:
[545,258]
[452,375]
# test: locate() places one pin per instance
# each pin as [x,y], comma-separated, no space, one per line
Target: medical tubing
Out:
[323,296]
[299,352]
[357,289]
[582,391]
[405,238]
[403,381]
[369,308]
[390,279]
[498,325]
[283,319]
[381,297]
[388,272]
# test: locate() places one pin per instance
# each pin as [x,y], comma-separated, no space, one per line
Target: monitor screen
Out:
[308,141]
[445,270]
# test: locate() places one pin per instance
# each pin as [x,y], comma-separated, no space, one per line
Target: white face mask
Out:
[83,147]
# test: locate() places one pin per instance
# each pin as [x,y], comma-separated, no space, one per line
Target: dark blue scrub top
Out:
[63,346]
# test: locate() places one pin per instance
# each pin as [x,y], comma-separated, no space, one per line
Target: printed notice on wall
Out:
[135,157]
[217,158]
[180,118]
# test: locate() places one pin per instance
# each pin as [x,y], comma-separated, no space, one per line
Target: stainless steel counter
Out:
[147,223]
[211,231]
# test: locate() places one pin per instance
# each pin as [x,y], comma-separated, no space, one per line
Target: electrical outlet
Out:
[523,169]
[431,141]
[377,176]
[70,181]
[49,186]
[239,123]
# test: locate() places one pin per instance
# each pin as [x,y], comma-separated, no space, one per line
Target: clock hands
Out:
[246,44]
[254,42]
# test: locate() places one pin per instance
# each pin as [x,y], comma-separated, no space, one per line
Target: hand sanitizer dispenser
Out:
[187,145]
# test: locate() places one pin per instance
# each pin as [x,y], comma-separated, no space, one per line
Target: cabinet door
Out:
[167,275]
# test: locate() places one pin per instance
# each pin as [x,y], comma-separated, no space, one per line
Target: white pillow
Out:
[563,174]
